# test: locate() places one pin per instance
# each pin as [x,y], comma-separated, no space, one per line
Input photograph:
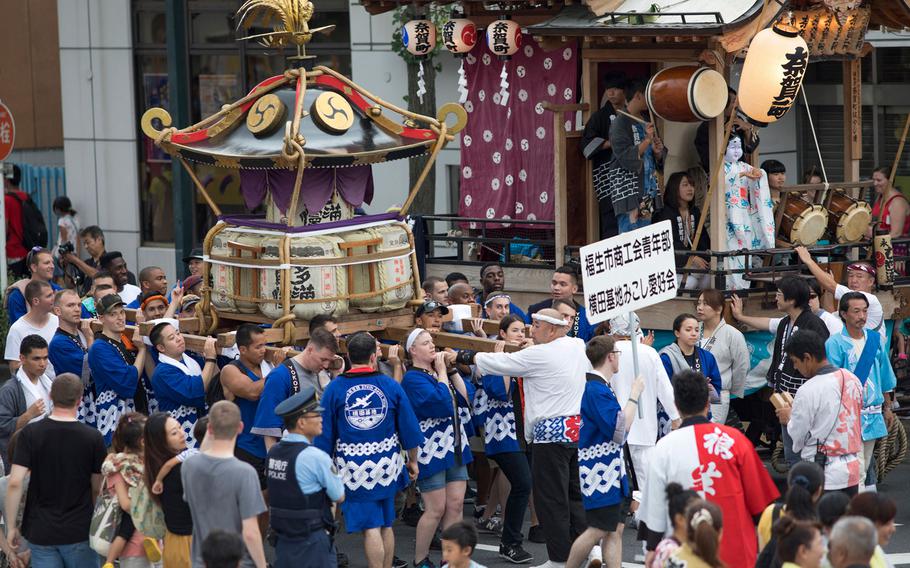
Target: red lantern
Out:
[459,35]
[504,37]
[419,37]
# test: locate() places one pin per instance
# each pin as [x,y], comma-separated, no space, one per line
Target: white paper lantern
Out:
[419,37]
[504,37]
[772,74]
[459,35]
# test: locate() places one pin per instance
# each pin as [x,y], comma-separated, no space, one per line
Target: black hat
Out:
[108,303]
[430,306]
[303,401]
[195,254]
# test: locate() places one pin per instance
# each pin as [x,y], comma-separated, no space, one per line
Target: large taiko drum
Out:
[848,218]
[802,223]
[687,93]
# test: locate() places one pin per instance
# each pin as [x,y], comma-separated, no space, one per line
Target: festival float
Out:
[690,53]
[303,144]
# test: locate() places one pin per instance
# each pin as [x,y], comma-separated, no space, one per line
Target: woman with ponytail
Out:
[677,501]
[799,543]
[806,483]
[704,526]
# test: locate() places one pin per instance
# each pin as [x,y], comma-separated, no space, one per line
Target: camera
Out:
[821,458]
[66,248]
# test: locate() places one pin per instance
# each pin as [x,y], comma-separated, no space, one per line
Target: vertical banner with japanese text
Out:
[627,272]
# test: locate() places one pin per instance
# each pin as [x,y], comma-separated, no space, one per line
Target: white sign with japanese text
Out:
[628,272]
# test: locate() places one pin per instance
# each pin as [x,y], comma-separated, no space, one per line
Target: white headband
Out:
[496,297]
[412,337]
[549,319]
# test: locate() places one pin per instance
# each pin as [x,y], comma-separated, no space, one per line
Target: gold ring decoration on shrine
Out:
[461,116]
[148,116]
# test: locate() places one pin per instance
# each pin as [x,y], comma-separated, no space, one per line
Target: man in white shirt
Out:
[26,397]
[40,320]
[553,372]
[824,421]
[643,435]
[860,278]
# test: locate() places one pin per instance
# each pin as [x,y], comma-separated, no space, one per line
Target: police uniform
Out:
[302,485]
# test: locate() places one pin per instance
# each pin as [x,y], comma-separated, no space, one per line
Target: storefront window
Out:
[222,70]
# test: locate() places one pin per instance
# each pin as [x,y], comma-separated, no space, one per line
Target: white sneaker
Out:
[551,564]
[595,558]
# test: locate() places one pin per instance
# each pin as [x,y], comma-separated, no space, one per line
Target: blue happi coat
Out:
[67,353]
[366,422]
[876,382]
[180,394]
[116,380]
[435,407]
[600,439]
[494,411]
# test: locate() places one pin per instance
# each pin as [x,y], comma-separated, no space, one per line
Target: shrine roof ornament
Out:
[341,124]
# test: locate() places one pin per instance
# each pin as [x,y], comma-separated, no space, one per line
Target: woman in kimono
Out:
[750,211]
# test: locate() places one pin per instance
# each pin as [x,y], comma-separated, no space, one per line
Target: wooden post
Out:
[589,92]
[560,187]
[853,118]
[560,176]
[718,204]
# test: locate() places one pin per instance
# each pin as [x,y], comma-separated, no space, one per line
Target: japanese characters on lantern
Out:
[504,37]
[459,35]
[772,73]
[419,37]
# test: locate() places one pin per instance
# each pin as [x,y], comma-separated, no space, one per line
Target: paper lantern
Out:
[772,74]
[459,35]
[419,37]
[504,37]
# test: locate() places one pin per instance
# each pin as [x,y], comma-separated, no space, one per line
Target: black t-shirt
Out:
[62,457]
[693,361]
[177,515]
[782,375]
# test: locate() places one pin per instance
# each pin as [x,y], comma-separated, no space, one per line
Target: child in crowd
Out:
[677,501]
[222,549]
[704,524]
[458,544]
[123,470]
[199,434]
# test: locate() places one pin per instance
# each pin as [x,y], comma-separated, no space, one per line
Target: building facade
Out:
[114,65]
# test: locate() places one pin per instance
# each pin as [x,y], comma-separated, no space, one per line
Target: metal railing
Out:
[45,184]
[484,242]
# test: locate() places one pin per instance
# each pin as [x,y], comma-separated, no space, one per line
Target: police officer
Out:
[302,484]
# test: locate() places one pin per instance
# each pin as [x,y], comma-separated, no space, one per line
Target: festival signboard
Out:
[628,272]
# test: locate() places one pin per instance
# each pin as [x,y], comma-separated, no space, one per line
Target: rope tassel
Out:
[503,86]
[462,84]
[421,84]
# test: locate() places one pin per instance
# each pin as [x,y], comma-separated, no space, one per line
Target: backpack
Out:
[34,229]
[146,513]
[105,522]
[768,557]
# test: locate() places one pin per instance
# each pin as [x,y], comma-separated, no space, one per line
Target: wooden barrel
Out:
[687,93]
[392,275]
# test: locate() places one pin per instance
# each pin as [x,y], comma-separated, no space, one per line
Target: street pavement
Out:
[896,485]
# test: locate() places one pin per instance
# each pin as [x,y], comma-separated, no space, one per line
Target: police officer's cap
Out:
[303,401]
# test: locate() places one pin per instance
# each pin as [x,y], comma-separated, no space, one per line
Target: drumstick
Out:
[632,116]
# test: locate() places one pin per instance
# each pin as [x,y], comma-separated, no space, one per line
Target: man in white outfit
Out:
[553,372]
[643,435]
